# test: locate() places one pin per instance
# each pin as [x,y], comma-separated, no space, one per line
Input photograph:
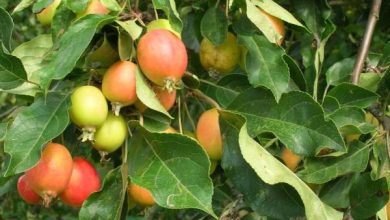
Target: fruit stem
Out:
[205,98]
[179,115]
[47,198]
[88,134]
[116,107]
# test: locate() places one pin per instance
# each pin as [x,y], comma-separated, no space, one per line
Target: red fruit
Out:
[162,57]
[83,182]
[52,173]
[118,84]
[25,191]
[209,134]
[166,98]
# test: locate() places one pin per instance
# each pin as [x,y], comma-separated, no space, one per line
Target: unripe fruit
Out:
[213,166]
[89,110]
[83,182]
[290,159]
[25,191]
[161,24]
[277,24]
[52,173]
[209,134]
[169,130]
[118,84]
[94,7]
[111,134]
[47,14]
[222,58]
[162,57]
[140,195]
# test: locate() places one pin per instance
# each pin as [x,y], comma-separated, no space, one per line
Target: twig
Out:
[205,98]
[363,51]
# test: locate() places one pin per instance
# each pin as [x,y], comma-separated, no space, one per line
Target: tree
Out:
[299,92]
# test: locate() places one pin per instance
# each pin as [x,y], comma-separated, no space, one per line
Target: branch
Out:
[363,51]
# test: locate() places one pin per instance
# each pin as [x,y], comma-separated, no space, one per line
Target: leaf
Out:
[169,7]
[103,56]
[385,59]
[370,81]
[214,26]
[22,5]
[351,120]
[125,45]
[3,130]
[295,72]
[107,203]
[351,95]
[265,65]
[340,72]
[112,5]
[132,28]
[272,171]
[383,85]
[322,170]
[336,193]
[166,164]
[71,46]
[7,25]
[330,105]
[62,20]
[12,72]
[367,196]
[32,128]
[380,162]
[263,198]
[155,121]
[297,121]
[146,95]
[40,5]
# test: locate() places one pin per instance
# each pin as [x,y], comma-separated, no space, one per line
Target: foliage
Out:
[296,95]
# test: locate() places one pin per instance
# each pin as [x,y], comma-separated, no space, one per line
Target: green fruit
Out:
[161,24]
[222,58]
[47,14]
[89,109]
[111,135]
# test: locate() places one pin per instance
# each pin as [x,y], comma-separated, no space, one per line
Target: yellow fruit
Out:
[290,159]
[47,14]
[140,195]
[277,24]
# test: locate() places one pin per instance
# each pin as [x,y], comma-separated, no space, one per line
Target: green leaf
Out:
[62,20]
[214,26]
[132,28]
[7,25]
[12,72]
[76,6]
[297,121]
[112,5]
[336,193]
[380,161]
[383,87]
[330,105]
[169,7]
[40,5]
[71,46]
[367,196]
[32,128]
[166,164]
[370,81]
[385,59]
[23,5]
[125,45]
[263,198]
[265,65]
[146,95]
[3,130]
[322,170]
[272,171]
[295,72]
[155,121]
[351,120]
[104,55]
[107,203]
[352,95]
[340,72]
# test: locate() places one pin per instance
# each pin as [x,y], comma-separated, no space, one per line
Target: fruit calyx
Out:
[88,134]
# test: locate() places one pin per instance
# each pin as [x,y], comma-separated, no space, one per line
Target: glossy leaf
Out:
[297,121]
[322,170]
[272,171]
[12,72]
[214,26]
[352,95]
[7,25]
[22,5]
[166,164]
[351,120]
[71,45]
[107,203]
[39,123]
[169,7]
[336,193]
[340,72]
[132,28]
[265,65]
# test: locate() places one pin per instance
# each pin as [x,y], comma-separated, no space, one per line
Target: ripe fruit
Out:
[140,195]
[222,58]
[111,134]
[94,7]
[47,14]
[290,159]
[277,24]
[89,110]
[83,182]
[25,191]
[118,85]
[209,134]
[52,173]
[162,57]
[161,24]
